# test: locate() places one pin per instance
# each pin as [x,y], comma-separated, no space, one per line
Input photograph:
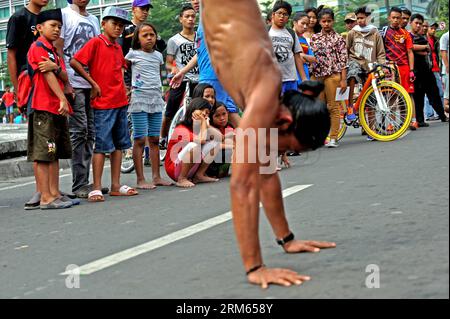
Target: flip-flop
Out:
[125,191]
[99,196]
[34,202]
[56,204]
[74,201]
[84,191]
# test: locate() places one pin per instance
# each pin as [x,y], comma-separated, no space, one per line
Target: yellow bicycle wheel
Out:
[386,126]
[343,126]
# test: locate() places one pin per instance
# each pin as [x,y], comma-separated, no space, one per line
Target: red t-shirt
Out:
[397,43]
[8,99]
[105,62]
[180,138]
[43,97]
[434,57]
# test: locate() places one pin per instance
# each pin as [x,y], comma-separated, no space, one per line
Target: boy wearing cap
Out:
[78,28]
[350,22]
[48,136]
[140,10]
[104,58]
[20,34]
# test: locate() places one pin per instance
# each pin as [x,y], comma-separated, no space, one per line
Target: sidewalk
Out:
[13,147]
[13,139]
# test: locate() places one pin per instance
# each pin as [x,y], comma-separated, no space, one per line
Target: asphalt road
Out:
[385,204]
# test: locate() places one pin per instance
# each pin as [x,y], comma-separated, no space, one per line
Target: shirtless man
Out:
[246,66]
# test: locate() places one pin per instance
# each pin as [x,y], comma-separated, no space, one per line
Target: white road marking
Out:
[127,254]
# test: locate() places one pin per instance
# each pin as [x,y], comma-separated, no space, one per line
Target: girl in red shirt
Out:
[219,119]
[191,150]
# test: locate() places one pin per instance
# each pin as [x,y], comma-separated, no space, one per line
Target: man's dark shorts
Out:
[175,98]
[111,130]
[48,137]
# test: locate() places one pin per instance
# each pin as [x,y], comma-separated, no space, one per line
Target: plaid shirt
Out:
[331,53]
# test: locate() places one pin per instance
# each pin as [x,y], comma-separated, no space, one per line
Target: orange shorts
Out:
[404,78]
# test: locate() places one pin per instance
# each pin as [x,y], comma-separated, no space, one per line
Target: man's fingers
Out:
[264,284]
[311,249]
[283,282]
[321,244]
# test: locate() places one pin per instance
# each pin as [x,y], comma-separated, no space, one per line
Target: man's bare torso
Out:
[240,49]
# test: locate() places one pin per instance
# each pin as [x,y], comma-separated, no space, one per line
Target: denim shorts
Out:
[111,130]
[10,110]
[146,124]
[222,96]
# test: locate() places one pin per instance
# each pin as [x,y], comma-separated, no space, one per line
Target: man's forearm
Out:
[12,67]
[445,58]
[411,59]
[245,207]
[272,200]
[420,48]
[54,85]
[299,64]
[78,67]
[192,64]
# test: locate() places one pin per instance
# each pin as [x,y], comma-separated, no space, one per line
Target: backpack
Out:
[383,32]
[291,32]
[25,86]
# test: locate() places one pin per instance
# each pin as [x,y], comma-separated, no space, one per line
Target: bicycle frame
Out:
[372,80]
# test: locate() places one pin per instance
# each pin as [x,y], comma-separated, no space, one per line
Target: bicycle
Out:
[384,107]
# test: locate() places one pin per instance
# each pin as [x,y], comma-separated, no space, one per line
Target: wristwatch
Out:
[286,239]
[57,71]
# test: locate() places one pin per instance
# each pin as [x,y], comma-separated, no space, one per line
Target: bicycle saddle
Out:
[311,88]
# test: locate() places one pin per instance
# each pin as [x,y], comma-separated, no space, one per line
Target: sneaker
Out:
[444,119]
[147,162]
[423,124]
[370,138]
[390,128]
[332,144]
[433,118]
[414,126]
[350,117]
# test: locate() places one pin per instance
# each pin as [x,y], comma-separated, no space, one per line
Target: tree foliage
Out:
[164,16]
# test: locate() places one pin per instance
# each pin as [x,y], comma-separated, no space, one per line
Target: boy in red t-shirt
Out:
[8,99]
[104,58]
[399,49]
[48,136]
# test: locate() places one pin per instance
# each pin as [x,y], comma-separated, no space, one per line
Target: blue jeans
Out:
[429,112]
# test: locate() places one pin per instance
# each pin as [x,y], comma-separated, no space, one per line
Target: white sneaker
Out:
[332,144]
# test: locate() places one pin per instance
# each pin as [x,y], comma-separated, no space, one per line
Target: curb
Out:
[20,167]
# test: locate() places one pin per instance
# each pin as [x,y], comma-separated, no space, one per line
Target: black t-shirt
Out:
[422,63]
[21,33]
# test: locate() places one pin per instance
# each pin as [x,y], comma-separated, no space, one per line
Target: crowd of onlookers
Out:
[82,83]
